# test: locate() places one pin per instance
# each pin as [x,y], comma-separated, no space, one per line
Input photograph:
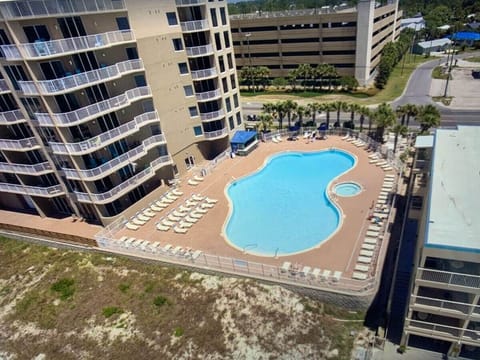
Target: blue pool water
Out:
[283,208]
[347,189]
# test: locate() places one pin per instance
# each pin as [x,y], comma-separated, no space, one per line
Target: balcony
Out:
[54,48]
[3,86]
[450,280]
[95,110]
[19,145]
[443,332]
[126,186]
[443,307]
[116,163]
[208,95]
[191,26]
[106,138]
[44,8]
[204,74]
[212,135]
[214,115]
[36,169]
[200,50]
[49,192]
[11,117]
[189,2]
[82,80]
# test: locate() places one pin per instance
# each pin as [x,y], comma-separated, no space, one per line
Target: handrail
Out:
[217,133]
[196,25]
[32,190]
[212,115]
[3,86]
[200,50]
[451,278]
[207,95]
[21,144]
[12,116]
[25,168]
[204,73]
[189,2]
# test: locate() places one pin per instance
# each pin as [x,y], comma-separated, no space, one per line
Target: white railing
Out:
[200,50]
[116,163]
[95,110]
[11,117]
[215,134]
[34,169]
[80,80]
[105,138]
[42,49]
[37,8]
[32,190]
[443,305]
[189,2]
[22,144]
[126,186]
[450,278]
[431,328]
[205,73]
[212,115]
[3,86]
[207,95]
[194,25]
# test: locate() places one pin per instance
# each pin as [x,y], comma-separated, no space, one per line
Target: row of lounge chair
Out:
[145,215]
[186,215]
[308,272]
[155,247]
[379,161]
[277,139]
[197,179]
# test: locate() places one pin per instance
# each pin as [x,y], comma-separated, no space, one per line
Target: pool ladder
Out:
[252,246]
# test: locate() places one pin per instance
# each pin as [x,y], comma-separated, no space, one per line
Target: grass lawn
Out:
[473,59]
[439,74]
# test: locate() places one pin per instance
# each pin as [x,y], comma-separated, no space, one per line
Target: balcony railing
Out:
[38,8]
[200,50]
[45,49]
[468,336]
[126,186]
[449,278]
[78,81]
[203,74]
[36,169]
[3,86]
[216,134]
[208,95]
[213,115]
[22,144]
[116,163]
[197,25]
[95,110]
[443,306]
[189,2]
[11,117]
[32,190]
[107,137]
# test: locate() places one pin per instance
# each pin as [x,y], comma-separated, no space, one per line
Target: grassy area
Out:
[63,303]
[395,86]
[473,59]
[438,73]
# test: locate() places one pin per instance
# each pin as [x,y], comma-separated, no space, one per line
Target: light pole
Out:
[247,35]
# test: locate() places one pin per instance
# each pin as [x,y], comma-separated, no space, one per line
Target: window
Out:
[38,32]
[230,61]
[193,111]
[213,15]
[226,37]
[239,119]
[132,53]
[172,18]
[15,73]
[231,123]
[183,68]
[177,44]
[233,82]
[223,16]
[140,80]
[197,130]
[235,100]
[122,23]
[218,43]
[225,85]
[188,90]
[229,104]
[222,64]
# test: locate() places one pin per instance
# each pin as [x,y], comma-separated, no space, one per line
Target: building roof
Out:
[465,35]
[414,20]
[434,43]
[242,137]
[454,194]
[424,141]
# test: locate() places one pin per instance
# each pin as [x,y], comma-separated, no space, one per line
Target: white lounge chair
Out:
[176,250]
[149,213]
[211,201]
[370,240]
[195,215]
[368,247]
[163,227]
[326,274]
[138,222]
[182,208]
[362,268]
[305,271]
[345,137]
[306,134]
[200,210]
[366,253]
[172,196]
[190,219]
[142,217]
[177,192]
[193,182]
[190,203]
[180,230]
[184,224]
[279,138]
[336,276]
[316,273]
[198,178]
[359,276]
[206,206]
[388,168]
[196,254]
[286,266]
[178,213]
[274,140]
[374,228]
[166,248]
[168,223]
[131,226]
[373,161]
[166,200]
[198,197]
[172,217]
[161,204]
[364,259]
[156,208]
[372,233]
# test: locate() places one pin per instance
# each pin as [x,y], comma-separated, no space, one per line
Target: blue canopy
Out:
[465,36]
[242,137]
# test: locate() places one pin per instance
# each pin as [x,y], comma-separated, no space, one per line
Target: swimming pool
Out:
[283,208]
[347,189]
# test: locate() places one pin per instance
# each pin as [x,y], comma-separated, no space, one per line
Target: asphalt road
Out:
[417,92]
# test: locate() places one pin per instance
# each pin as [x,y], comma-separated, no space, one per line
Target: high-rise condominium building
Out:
[103,101]
[351,39]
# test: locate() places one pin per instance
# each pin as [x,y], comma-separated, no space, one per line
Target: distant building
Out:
[444,308]
[426,47]
[350,39]
[415,23]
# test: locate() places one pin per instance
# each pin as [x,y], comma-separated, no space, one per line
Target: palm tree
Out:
[411,110]
[269,108]
[292,79]
[398,130]
[384,117]
[353,108]
[280,110]
[330,72]
[301,112]
[428,116]
[401,111]
[290,106]
[327,108]
[339,106]
[265,123]
[304,71]
[314,109]
[262,74]
[364,111]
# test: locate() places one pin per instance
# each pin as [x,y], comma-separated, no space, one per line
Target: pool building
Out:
[444,306]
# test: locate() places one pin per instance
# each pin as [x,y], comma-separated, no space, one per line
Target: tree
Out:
[401,111]
[269,108]
[314,109]
[349,83]
[301,112]
[353,108]
[428,117]
[327,108]
[304,71]
[262,76]
[292,79]
[279,82]
[290,106]
[339,106]
[280,109]
[247,76]
[411,110]
[330,72]
[398,130]
[364,112]
[384,117]
[265,122]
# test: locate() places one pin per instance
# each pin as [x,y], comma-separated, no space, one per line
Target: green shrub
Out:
[65,287]
[178,332]
[160,301]
[111,310]
[124,287]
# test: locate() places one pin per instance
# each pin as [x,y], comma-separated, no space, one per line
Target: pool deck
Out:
[339,253]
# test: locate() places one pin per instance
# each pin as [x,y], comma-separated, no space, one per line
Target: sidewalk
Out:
[390,353]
